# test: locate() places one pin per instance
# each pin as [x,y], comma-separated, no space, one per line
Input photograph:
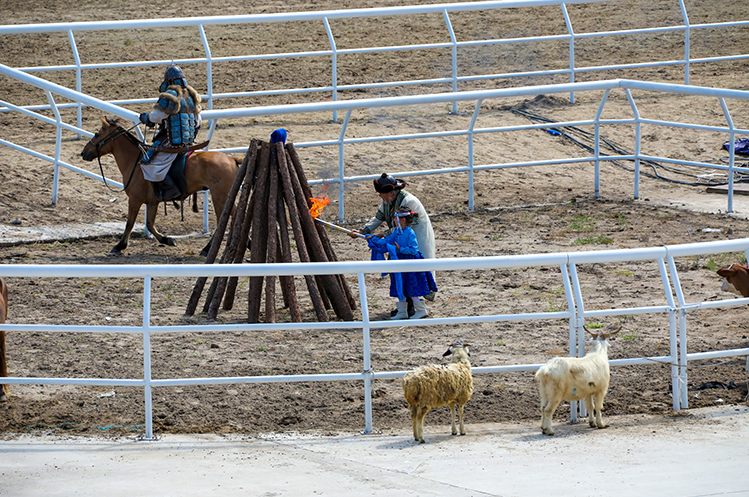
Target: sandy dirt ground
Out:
[517,211]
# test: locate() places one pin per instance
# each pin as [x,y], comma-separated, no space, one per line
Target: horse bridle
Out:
[98,145]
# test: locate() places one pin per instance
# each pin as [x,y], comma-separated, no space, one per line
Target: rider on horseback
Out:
[177,112]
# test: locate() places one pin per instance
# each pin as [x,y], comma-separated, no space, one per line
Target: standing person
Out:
[177,112]
[393,197]
[401,244]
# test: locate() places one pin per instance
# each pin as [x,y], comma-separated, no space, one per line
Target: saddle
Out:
[174,186]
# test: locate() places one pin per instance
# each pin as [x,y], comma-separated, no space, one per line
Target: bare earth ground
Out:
[518,211]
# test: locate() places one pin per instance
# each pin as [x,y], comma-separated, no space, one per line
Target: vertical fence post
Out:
[471,173]
[672,310]
[147,357]
[572,324]
[682,356]
[58,146]
[597,144]
[571,49]
[454,42]
[366,355]
[638,126]
[577,346]
[731,151]
[208,66]
[341,170]
[78,79]
[687,40]
[333,65]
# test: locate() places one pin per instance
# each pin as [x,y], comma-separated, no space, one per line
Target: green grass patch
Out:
[593,240]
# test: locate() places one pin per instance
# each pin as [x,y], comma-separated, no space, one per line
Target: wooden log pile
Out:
[274,190]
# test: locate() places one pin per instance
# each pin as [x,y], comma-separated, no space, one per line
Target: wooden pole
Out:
[218,235]
[296,226]
[270,281]
[320,230]
[287,282]
[231,286]
[335,293]
[234,246]
[259,233]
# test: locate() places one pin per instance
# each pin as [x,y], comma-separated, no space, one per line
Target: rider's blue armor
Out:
[181,122]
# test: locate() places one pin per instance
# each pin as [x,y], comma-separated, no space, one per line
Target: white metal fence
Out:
[454,80]
[477,98]
[675,313]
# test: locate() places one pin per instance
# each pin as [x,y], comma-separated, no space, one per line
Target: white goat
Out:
[436,386]
[572,378]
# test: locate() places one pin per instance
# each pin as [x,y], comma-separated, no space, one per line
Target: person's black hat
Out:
[386,184]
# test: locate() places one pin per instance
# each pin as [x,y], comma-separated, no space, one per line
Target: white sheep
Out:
[572,378]
[436,386]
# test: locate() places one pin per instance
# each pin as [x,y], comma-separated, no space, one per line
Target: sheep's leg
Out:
[462,426]
[589,407]
[415,421]
[599,409]
[453,427]
[420,421]
[547,411]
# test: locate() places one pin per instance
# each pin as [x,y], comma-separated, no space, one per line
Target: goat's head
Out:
[456,345]
[601,336]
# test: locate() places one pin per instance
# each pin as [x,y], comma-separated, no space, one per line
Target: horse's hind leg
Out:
[151,211]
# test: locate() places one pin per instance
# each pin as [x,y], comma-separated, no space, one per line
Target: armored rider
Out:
[177,112]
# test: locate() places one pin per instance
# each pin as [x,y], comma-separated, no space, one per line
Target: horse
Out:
[210,170]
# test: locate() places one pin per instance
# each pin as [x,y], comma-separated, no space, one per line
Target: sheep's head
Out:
[459,349]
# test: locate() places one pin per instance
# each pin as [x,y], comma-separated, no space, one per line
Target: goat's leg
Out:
[462,426]
[599,409]
[453,427]
[547,412]
[589,408]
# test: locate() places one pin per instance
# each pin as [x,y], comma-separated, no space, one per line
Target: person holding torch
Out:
[392,198]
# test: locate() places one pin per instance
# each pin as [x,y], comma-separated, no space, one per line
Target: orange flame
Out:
[318,204]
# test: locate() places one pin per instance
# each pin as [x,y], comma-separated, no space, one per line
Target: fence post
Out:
[571,49]
[454,42]
[366,355]
[341,170]
[147,357]
[333,65]
[687,40]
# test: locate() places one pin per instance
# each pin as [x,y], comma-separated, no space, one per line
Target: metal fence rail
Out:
[455,79]
[477,98]
[576,314]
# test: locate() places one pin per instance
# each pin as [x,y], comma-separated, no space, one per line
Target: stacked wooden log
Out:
[274,189]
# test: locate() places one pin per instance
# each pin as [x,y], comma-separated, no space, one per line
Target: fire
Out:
[318,204]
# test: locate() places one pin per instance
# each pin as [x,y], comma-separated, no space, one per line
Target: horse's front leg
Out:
[132,213]
[150,218]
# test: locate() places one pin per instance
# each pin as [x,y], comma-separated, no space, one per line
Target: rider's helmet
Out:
[173,76]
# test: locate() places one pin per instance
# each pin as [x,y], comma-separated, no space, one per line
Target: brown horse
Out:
[214,171]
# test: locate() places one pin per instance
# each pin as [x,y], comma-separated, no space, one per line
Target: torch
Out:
[317,206]
[338,228]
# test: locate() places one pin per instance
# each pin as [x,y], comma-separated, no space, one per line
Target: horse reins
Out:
[120,131]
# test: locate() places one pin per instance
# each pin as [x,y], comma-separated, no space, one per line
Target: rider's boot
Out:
[169,190]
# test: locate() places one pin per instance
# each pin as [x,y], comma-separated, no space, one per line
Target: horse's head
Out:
[100,144]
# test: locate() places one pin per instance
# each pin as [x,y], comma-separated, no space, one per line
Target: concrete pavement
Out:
[699,452]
